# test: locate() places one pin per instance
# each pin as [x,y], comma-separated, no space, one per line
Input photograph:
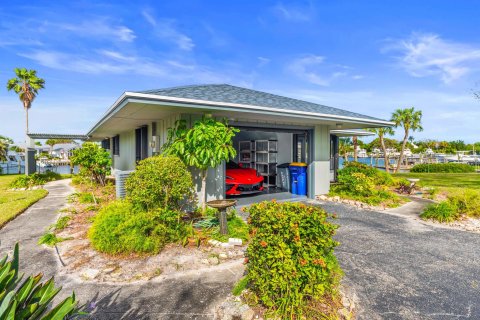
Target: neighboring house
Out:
[135,127]
[64,150]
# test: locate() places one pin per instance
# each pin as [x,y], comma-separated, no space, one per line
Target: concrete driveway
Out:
[403,268]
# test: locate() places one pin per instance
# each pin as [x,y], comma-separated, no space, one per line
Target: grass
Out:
[13,203]
[445,180]
[237,228]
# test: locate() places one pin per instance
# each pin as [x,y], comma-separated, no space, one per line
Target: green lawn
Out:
[12,203]
[446,180]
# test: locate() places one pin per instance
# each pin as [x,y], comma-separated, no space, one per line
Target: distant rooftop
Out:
[233,94]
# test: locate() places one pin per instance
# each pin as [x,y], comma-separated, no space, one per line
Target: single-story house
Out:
[135,127]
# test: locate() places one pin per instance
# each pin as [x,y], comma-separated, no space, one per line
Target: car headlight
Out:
[229,178]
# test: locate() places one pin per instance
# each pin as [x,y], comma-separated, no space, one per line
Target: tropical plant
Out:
[344,147]
[206,145]
[411,120]
[160,181]
[291,262]
[381,133]
[94,161]
[31,299]
[26,84]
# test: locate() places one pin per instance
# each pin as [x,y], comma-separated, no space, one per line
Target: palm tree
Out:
[381,133]
[344,147]
[355,148]
[409,119]
[26,84]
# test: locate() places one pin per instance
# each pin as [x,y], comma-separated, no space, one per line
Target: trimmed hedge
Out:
[36,179]
[443,168]
[291,262]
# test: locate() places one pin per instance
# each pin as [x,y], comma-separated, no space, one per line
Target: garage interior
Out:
[264,149]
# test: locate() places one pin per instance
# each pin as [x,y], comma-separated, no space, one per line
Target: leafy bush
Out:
[363,183]
[94,161]
[442,212]
[35,179]
[31,299]
[443,167]
[119,228]
[291,262]
[466,201]
[160,181]
[378,177]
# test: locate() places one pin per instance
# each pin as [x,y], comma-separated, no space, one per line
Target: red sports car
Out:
[242,180]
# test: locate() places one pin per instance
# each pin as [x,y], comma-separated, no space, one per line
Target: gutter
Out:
[125,97]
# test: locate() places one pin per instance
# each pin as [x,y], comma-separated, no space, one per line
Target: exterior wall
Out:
[319,168]
[126,159]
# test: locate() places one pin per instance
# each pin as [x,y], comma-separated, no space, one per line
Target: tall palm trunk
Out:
[385,154]
[404,144]
[26,122]
[355,146]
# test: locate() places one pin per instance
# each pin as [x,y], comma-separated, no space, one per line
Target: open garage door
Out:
[260,169]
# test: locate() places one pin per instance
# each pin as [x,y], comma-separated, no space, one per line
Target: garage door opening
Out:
[260,169]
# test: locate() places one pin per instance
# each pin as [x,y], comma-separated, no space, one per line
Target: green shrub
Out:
[85,197]
[159,182]
[94,162]
[467,201]
[291,261]
[31,298]
[442,212]
[443,167]
[378,177]
[120,228]
[35,179]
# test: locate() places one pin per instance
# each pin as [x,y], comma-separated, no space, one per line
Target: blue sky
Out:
[366,56]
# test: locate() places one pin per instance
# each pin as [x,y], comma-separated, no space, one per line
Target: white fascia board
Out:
[122,101]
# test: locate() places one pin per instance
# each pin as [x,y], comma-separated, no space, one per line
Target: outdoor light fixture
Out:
[339,125]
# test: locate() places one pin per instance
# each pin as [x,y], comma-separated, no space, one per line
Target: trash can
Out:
[298,174]
[284,176]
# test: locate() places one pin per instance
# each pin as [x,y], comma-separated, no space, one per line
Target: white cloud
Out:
[294,13]
[166,29]
[312,68]
[424,55]
[263,61]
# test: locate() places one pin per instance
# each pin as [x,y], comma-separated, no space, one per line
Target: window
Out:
[106,144]
[116,145]
[141,143]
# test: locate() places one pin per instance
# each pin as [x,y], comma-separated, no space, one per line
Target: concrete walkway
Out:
[191,296]
[404,268]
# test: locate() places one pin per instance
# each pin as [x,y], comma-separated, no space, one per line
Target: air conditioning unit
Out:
[120,177]
[155,144]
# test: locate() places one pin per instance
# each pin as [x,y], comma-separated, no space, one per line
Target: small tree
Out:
[411,120]
[381,132]
[206,145]
[93,160]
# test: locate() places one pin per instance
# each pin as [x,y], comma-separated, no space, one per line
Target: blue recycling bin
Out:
[298,174]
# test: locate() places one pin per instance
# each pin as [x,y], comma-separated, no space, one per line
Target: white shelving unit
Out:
[246,153]
[266,161]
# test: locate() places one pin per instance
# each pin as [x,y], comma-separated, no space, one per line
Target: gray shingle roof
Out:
[232,94]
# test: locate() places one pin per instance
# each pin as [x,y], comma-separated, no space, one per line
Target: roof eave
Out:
[124,99]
